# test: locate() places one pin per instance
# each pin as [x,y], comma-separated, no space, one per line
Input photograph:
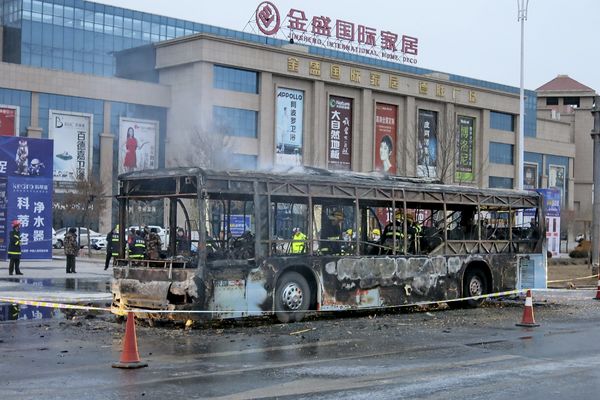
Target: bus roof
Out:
[318,175]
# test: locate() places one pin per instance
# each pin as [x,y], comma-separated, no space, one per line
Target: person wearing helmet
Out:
[375,234]
[332,232]
[298,241]
[14,248]
[393,234]
[112,245]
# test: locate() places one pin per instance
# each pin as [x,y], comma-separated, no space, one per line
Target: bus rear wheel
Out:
[292,297]
[474,284]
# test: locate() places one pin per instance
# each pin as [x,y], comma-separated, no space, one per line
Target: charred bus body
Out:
[365,241]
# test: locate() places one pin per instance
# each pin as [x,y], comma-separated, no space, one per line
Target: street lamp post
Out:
[596,206]
[522,16]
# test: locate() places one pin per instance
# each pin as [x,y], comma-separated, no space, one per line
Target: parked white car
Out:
[83,237]
[98,242]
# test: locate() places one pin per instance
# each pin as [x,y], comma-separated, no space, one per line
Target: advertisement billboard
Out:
[530,176]
[385,137]
[556,179]
[552,211]
[9,120]
[26,170]
[72,135]
[289,112]
[465,149]
[339,121]
[427,144]
[138,144]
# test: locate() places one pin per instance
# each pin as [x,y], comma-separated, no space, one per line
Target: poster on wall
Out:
[9,120]
[427,144]
[289,111]
[72,135]
[530,176]
[26,170]
[339,122]
[465,147]
[385,138]
[556,178]
[138,144]
[552,207]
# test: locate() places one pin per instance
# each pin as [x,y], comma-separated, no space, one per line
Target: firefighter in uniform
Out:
[154,245]
[391,233]
[298,241]
[14,248]
[137,247]
[332,232]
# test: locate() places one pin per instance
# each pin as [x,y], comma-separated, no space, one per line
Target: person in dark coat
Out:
[14,248]
[71,249]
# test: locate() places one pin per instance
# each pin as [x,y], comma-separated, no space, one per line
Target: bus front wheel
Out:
[292,297]
[474,284]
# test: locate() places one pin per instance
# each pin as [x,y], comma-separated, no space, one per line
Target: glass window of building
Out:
[502,121]
[501,182]
[501,153]
[235,121]
[235,79]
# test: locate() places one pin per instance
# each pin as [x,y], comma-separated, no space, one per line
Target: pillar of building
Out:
[407,152]
[34,130]
[266,138]
[363,153]
[317,154]
[447,143]
[518,155]
[106,170]
[482,159]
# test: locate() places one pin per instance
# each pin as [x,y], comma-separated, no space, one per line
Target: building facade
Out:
[214,96]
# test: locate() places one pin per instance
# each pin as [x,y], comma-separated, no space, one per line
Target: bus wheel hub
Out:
[292,296]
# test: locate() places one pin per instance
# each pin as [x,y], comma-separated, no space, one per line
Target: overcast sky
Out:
[474,38]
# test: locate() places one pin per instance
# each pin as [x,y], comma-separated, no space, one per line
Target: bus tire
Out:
[292,297]
[474,284]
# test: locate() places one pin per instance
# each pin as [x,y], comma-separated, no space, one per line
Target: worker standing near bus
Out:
[298,241]
[137,247]
[332,232]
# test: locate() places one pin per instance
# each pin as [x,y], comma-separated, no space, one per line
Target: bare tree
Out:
[84,202]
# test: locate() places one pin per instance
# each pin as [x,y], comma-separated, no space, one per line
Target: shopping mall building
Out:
[199,94]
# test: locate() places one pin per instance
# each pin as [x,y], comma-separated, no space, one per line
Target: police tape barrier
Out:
[125,311]
[573,279]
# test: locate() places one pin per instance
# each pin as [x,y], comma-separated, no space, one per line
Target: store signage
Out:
[336,34]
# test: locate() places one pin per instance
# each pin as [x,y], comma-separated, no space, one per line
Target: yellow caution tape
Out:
[37,303]
[573,279]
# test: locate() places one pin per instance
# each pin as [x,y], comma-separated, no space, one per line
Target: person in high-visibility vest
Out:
[137,247]
[112,245]
[14,248]
[332,233]
[298,241]
[393,234]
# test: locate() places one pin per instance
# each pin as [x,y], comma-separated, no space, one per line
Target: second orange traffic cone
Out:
[528,319]
[129,357]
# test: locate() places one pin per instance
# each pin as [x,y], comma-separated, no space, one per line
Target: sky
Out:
[474,38]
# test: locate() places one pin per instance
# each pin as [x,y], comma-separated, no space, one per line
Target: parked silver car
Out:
[83,237]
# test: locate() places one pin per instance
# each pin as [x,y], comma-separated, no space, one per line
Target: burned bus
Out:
[258,243]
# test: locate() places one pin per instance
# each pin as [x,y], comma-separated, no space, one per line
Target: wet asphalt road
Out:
[434,354]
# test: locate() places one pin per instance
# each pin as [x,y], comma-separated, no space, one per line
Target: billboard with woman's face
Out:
[385,138]
[138,146]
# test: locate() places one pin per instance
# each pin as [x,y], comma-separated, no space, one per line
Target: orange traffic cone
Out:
[130,358]
[598,290]
[528,319]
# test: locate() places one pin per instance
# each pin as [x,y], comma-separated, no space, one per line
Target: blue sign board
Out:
[551,201]
[26,194]
[239,224]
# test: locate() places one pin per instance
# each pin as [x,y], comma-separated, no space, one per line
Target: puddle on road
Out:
[14,312]
[79,284]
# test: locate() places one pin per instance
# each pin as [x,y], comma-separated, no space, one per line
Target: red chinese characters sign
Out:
[385,137]
[340,133]
[337,34]
[8,122]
